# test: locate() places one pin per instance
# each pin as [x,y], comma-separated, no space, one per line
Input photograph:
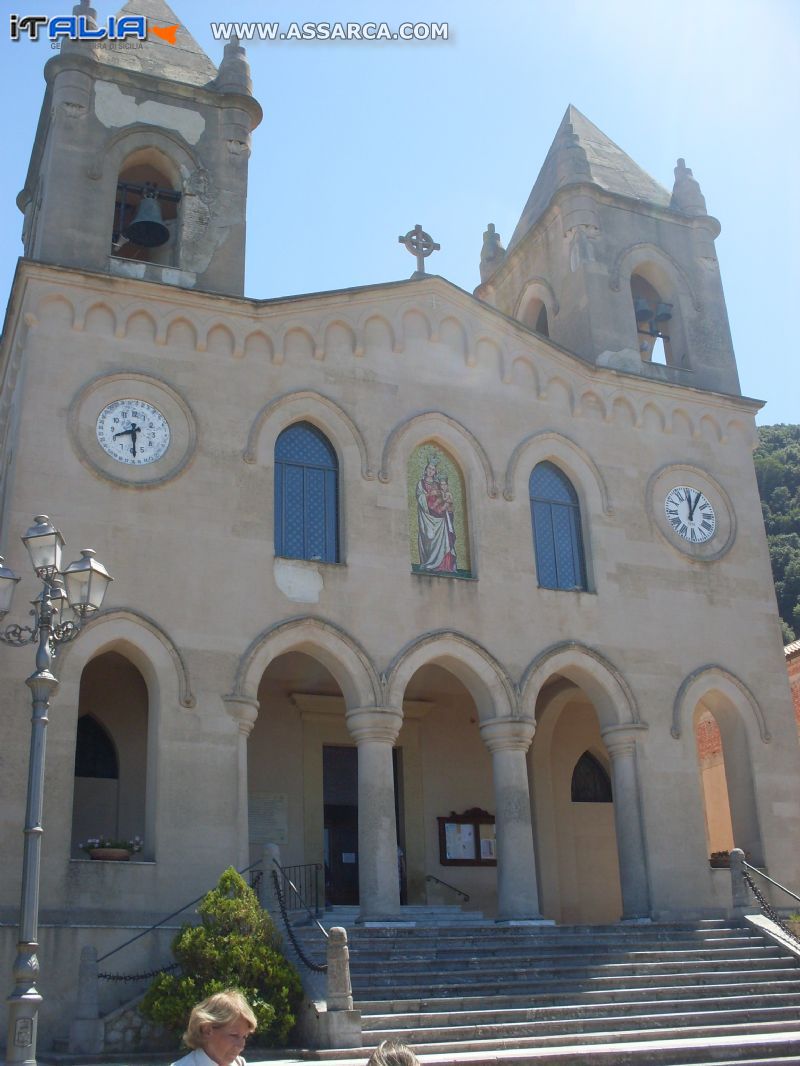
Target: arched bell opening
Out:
[146,207]
[573,809]
[110,789]
[534,316]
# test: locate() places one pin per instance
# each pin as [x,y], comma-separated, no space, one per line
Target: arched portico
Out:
[485,685]
[741,724]
[138,641]
[620,727]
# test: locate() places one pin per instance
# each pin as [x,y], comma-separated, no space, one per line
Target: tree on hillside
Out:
[777,461]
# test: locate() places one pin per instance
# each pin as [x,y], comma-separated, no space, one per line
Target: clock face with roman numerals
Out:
[690,514]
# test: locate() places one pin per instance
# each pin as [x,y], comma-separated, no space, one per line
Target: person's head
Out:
[220,1025]
[430,472]
[392,1053]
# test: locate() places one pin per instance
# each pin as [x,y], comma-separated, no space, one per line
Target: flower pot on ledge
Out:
[110,854]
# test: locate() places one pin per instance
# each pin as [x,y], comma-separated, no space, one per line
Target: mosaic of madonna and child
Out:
[437,513]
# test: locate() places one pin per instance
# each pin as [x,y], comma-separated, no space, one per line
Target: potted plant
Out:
[111,850]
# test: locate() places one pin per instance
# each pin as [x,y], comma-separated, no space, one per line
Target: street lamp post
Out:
[79,588]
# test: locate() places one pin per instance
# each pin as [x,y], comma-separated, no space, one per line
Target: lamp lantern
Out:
[44,543]
[8,582]
[87,581]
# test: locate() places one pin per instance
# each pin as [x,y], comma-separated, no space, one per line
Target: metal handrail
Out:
[174,914]
[777,884]
[316,967]
[439,881]
[303,903]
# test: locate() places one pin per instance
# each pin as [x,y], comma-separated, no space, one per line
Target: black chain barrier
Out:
[767,908]
[137,976]
[317,967]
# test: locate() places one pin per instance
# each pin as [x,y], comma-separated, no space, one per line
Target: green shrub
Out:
[234,946]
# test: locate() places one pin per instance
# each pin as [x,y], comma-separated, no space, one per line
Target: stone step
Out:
[370,953]
[549,997]
[411,961]
[566,1014]
[489,928]
[761,1050]
[613,976]
[511,1031]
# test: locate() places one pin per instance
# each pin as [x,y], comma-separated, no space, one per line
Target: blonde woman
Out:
[393,1053]
[218,1030]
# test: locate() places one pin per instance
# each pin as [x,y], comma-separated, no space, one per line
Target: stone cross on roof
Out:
[420,244]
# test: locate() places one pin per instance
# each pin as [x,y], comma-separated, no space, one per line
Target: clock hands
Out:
[692,506]
[132,432]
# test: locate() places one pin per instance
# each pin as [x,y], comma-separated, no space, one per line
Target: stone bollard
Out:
[740,890]
[339,990]
[87,1031]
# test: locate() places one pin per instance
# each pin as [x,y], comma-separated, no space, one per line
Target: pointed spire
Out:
[234,70]
[580,152]
[169,52]
[492,252]
[687,196]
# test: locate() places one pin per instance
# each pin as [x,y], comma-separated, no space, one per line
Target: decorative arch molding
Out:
[138,136]
[575,460]
[54,300]
[714,678]
[613,700]
[542,290]
[303,329]
[138,631]
[305,404]
[413,307]
[486,680]
[324,641]
[636,255]
[360,327]
[453,433]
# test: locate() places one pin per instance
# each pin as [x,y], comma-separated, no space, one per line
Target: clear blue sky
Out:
[360,141]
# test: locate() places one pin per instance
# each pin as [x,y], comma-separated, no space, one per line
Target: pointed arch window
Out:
[556,518]
[590,782]
[306,495]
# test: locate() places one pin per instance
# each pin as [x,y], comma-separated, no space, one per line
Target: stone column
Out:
[508,739]
[621,745]
[244,712]
[375,730]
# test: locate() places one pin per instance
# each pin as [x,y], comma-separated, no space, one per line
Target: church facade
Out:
[434,590]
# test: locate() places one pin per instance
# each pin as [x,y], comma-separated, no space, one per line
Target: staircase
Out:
[681,993]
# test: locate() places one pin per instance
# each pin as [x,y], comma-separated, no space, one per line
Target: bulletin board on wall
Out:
[467,839]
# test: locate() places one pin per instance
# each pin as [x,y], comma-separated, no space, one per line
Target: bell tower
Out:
[139,167]
[607,263]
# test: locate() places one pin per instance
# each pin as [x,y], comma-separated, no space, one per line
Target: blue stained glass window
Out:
[556,518]
[306,495]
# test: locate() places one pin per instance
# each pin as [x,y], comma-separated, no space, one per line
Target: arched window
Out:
[556,529]
[590,782]
[306,495]
[95,754]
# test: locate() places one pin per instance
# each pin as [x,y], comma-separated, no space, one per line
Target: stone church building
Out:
[434,589]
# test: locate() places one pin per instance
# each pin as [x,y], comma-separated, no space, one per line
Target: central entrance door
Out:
[340,821]
[340,799]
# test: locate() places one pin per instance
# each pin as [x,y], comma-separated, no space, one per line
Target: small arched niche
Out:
[146,175]
[110,792]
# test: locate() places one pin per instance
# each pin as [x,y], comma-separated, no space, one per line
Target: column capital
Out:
[621,739]
[374,723]
[508,734]
[243,710]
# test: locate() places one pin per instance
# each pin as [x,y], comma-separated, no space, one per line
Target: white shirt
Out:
[198,1057]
